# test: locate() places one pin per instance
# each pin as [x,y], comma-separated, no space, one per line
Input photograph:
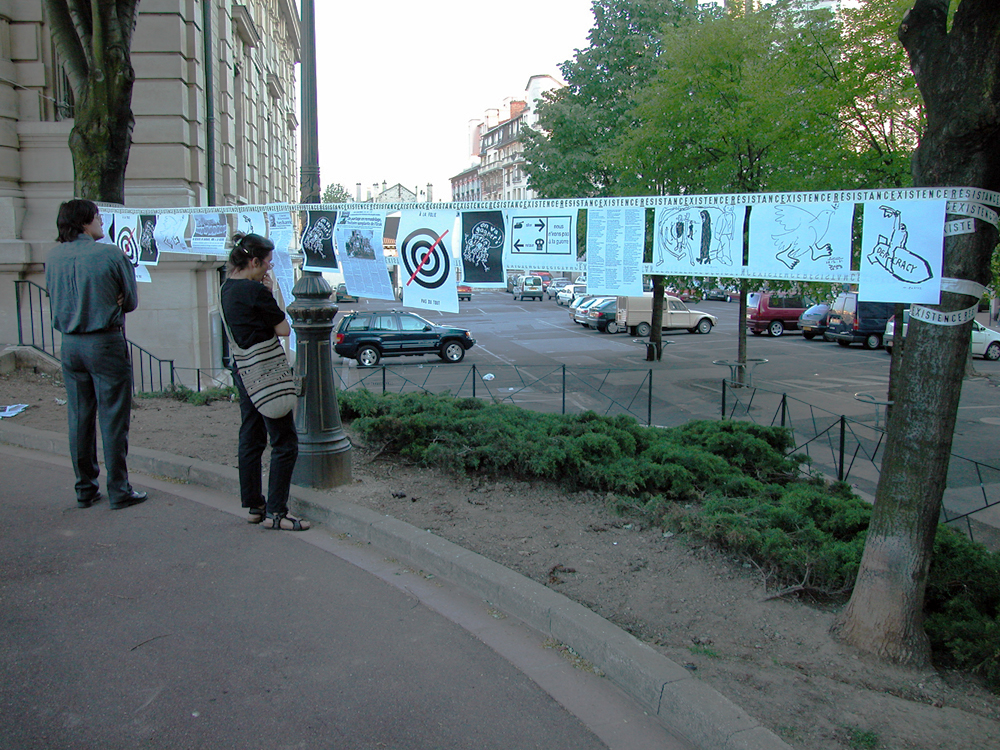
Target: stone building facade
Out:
[250,105]
[498,151]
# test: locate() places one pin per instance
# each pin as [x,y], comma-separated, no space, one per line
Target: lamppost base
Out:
[323,470]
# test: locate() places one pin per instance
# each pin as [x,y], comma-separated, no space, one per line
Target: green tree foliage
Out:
[94,40]
[882,114]
[336,193]
[739,103]
[578,123]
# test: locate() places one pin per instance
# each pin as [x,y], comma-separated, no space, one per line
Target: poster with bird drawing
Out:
[804,241]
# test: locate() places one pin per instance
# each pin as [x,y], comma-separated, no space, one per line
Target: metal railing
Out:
[558,389]
[851,449]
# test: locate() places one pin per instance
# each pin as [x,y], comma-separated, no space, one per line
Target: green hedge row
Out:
[727,482]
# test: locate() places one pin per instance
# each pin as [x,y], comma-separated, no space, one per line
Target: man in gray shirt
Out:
[91,286]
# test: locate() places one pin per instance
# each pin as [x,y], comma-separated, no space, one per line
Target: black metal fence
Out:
[559,389]
[851,449]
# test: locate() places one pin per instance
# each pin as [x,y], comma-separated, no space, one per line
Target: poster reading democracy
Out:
[317,241]
[813,240]
[482,248]
[362,255]
[614,250]
[541,238]
[698,240]
[424,243]
[902,249]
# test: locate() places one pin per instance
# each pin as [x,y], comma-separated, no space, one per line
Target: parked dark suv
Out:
[369,336]
[854,322]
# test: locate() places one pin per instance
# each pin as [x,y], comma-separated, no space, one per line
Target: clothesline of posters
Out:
[791,236]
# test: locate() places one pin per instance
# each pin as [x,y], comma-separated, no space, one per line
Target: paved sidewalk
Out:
[176,625]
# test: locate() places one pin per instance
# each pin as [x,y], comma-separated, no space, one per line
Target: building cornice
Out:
[244,25]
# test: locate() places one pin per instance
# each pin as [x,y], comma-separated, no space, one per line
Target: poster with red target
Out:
[124,232]
[424,242]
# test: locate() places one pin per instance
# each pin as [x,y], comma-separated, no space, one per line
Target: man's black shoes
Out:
[89,501]
[133,498]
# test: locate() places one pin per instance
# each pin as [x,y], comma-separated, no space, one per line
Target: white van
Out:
[528,286]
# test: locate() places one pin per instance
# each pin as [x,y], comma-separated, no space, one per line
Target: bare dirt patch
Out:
[698,606]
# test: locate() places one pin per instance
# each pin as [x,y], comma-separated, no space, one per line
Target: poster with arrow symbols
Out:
[541,238]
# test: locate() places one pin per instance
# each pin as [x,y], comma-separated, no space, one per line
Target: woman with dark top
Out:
[253,316]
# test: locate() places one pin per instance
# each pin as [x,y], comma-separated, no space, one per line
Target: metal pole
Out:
[564,389]
[840,468]
[784,397]
[723,398]
[324,448]
[475,376]
[649,407]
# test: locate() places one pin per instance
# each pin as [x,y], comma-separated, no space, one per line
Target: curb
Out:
[681,703]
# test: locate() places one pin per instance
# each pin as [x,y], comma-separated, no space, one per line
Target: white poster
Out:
[812,239]
[902,249]
[424,243]
[698,240]
[170,233]
[251,222]
[540,238]
[124,232]
[614,250]
[280,231]
[211,232]
[361,254]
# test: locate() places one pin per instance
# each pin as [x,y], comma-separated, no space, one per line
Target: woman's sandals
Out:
[285,522]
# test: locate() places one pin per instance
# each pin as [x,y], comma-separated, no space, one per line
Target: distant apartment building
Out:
[497,151]
[253,49]
[395,194]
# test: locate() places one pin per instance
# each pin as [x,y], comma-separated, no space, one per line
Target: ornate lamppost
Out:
[324,448]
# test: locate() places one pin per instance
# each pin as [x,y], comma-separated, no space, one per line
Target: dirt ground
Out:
[698,606]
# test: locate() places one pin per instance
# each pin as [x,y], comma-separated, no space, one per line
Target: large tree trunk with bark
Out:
[958,72]
[93,38]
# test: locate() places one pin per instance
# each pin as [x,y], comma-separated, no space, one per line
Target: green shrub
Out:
[730,483]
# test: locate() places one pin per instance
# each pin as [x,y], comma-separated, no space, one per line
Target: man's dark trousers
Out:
[98,377]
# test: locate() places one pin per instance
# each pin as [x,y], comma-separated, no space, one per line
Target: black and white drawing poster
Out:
[424,243]
[614,250]
[482,248]
[170,233]
[211,233]
[902,249]
[362,255]
[813,240]
[540,238]
[697,240]
[124,232]
[149,251]
[251,222]
[317,241]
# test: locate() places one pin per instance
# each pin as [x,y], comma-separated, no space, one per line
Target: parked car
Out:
[636,314]
[569,293]
[719,294]
[602,316]
[985,341]
[545,276]
[512,280]
[528,287]
[852,322]
[342,295]
[464,292]
[557,284]
[579,309]
[774,312]
[812,322]
[369,336]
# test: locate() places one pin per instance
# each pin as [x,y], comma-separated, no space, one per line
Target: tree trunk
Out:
[956,72]
[93,39]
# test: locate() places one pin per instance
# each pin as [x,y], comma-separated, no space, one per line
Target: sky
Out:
[398,81]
